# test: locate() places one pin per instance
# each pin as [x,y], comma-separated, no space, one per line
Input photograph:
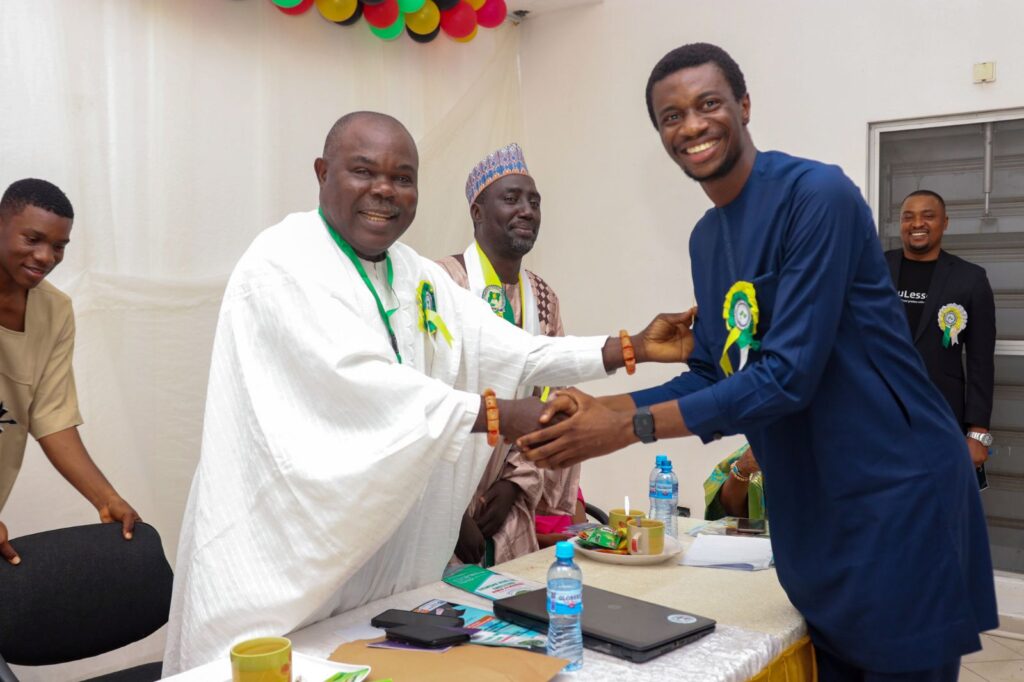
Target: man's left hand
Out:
[667,338]
[592,430]
[496,504]
[979,453]
[117,510]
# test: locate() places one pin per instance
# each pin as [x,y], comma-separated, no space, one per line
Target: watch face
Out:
[643,426]
[983,438]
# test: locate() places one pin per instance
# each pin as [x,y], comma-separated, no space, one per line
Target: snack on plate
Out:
[603,538]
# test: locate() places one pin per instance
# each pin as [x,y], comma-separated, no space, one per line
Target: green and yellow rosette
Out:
[952,321]
[741,314]
[430,321]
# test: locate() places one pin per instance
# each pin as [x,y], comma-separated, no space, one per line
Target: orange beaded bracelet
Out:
[628,354]
[491,404]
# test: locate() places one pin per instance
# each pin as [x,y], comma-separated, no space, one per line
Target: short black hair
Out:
[691,55]
[925,193]
[38,193]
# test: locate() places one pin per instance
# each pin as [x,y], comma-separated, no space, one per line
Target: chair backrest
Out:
[80,592]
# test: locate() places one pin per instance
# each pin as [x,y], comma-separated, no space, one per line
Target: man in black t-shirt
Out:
[951,314]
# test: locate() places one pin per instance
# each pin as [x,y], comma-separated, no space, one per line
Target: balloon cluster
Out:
[423,20]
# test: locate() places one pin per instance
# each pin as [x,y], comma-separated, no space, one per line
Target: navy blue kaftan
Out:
[877,526]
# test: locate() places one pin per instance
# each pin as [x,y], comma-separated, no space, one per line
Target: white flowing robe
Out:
[331,475]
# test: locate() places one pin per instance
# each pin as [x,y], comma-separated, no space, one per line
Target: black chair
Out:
[596,513]
[81,592]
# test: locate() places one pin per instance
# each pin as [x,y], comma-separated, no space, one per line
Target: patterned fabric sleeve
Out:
[713,508]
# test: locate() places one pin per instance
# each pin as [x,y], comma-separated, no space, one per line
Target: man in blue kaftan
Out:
[802,346]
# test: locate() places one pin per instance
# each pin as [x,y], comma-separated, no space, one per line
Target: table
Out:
[756,622]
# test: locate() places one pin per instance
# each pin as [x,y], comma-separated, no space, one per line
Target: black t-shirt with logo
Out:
[915,278]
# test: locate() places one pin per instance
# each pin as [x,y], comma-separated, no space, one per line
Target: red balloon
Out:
[383,15]
[492,13]
[459,21]
[298,9]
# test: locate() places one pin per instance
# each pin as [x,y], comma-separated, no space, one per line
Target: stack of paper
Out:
[729,551]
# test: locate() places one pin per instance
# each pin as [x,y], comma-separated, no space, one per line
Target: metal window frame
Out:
[875,130]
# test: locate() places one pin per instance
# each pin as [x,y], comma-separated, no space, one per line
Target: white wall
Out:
[618,212]
[180,130]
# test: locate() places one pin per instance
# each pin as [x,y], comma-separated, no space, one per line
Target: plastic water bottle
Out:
[565,608]
[666,497]
[650,486]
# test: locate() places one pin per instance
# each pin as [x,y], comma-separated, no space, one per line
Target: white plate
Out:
[672,548]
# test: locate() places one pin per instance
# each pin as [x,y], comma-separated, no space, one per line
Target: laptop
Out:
[613,623]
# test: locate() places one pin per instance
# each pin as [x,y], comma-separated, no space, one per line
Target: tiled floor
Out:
[1000,660]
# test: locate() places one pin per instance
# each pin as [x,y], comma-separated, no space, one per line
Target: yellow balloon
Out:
[477,4]
[336,10]
[424,21]
[469,37]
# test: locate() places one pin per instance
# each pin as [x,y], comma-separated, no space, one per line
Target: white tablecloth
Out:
[756,622]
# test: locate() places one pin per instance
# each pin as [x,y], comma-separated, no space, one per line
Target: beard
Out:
[728,163]
[519,246]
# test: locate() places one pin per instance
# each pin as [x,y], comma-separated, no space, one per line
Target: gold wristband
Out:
[737,474]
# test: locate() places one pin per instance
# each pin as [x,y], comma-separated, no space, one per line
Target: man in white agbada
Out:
[345,390]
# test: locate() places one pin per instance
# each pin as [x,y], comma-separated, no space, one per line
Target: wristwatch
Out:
[643,425]
[983,438]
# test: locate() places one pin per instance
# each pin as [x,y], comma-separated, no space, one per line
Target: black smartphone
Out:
[751,526]
[982,477]
[428,636]
[395,617]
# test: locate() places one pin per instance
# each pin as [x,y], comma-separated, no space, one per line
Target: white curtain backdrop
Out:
[179,130]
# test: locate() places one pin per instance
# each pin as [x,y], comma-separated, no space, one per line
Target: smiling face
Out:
[506,217]
[32,244]
[923,221]
[703,127]
[368,182]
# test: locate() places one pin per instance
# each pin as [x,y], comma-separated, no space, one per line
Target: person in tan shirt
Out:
[37,338]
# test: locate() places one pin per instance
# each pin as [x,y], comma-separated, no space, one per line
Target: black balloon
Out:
[445,4]
[423,37]
[356,16]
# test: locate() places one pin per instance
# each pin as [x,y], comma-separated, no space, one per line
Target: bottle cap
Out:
[659,459]
[564,550]
[666,466]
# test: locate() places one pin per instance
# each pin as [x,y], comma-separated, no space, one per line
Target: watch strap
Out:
[982,437]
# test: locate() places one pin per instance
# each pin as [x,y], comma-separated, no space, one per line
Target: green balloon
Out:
[287,4]
[409,6]
[390,32]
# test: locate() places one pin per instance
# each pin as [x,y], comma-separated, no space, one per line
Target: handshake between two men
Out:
[570,427]
[573,426]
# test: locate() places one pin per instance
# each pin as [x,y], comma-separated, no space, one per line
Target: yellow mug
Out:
[646,537]
[617,518]
[264,659]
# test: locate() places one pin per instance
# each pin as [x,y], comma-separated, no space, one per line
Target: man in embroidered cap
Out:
[504,205]
[952,314]
[339,448]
